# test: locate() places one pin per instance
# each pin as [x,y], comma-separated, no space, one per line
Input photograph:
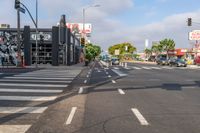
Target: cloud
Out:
[107,29]
[173,26]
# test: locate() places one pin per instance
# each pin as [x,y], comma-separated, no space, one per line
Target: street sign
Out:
[22,10]
[117,52]
[194,35]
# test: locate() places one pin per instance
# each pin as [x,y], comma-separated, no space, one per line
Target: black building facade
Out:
[50,49]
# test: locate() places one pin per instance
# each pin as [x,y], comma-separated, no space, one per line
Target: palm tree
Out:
[148,52]
[167,44]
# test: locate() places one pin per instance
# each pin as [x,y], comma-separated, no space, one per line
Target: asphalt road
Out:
[141,98]
[149,99]
[25,94]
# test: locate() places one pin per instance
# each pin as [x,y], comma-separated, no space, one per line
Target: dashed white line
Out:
[87,76]
[71,115]
[106,72]
[85,81]
[80,90]
[140,117]
[109,76]
[113,81]
[121,91]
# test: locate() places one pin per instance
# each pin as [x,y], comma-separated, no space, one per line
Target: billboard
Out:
[194,35]
[78,27]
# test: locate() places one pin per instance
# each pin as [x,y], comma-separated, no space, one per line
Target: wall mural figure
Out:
[8,48]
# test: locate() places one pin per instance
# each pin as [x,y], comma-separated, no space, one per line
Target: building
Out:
[50,49]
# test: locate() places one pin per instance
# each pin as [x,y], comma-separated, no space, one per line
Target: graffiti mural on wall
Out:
[8,48]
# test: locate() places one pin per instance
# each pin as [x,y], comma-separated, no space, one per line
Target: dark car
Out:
[115,61]
[178,62]
[162,61]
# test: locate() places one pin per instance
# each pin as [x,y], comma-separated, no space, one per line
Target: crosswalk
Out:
[25,96]
[153,68]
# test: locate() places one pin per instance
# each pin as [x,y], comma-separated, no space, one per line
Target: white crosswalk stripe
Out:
[137,68]
[148,68]
[38,86]
[158,68]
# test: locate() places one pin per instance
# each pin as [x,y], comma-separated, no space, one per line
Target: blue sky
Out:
[116,21]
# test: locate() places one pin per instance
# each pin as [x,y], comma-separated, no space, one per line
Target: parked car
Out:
[197,60]
[178,62]
[162,61]
[115,61]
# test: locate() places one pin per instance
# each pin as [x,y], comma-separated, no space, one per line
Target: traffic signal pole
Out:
[18,40]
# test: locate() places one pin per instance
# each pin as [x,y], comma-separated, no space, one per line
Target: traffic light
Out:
[82,41]
[17,4]
[189,21]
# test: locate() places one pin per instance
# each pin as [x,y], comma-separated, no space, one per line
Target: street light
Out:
[36,41]
[84,9]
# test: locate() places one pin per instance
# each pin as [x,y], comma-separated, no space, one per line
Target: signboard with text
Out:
[194,35]
[78,27]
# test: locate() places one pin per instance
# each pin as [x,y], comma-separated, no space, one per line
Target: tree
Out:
[148,52]
[167,44]
[124,48]
[92,51]
[157,49]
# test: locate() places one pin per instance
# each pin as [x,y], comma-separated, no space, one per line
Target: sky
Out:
[115,21]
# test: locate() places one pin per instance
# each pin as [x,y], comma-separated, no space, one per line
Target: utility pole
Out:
[36,39]
[18,35]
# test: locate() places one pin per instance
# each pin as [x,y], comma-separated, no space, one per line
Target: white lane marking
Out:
[109,76]
[140,117]
[113,81]
[118,72]
[106,68]
[189,87]
[146,68]
[41,81]
[98,71]
[32,85]
[167,67]
[80,90]
[137,68]
[30,90]
[85,81]
[37,78]
[71,115]
[154,80]
[12,110]
[87,76]
[116,68]
[158,68]
[44,76]
[27,98]
[121,91]
[127,68]
[106,72]
[14,128]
